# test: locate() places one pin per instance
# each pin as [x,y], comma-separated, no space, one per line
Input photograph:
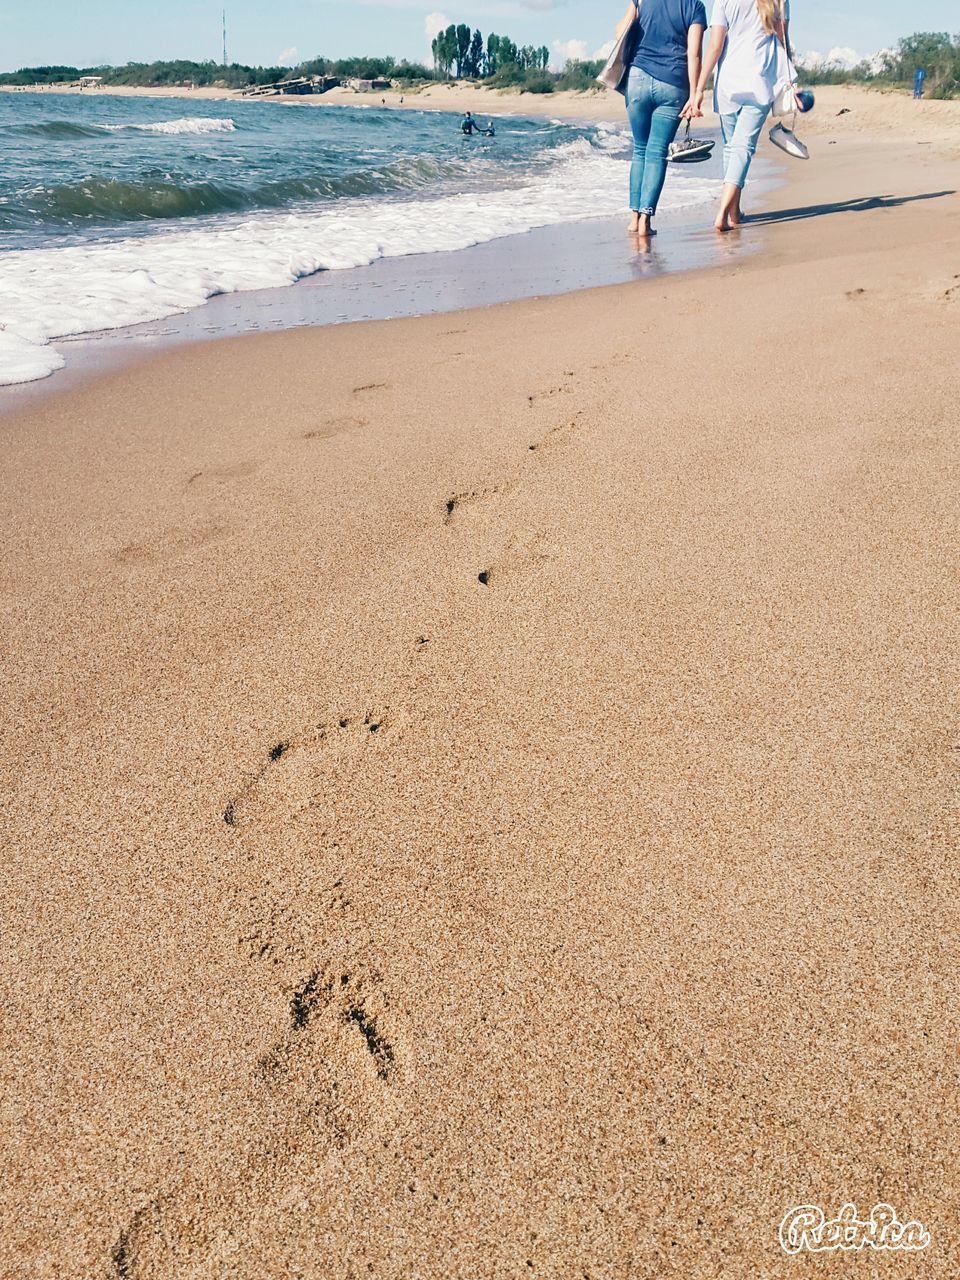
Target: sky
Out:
[267,32]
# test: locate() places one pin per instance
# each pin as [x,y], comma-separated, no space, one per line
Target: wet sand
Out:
[542,262]
[495,820]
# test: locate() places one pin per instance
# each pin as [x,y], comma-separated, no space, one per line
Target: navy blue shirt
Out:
[662,51]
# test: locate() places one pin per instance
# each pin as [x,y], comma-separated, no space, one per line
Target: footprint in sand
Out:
[467,497]
[168,546]
[329,1005]
[558,434]
[551,393]
[533,550]
[370,386]
[222,475]
[324,1079]
[336,427]
[301,770]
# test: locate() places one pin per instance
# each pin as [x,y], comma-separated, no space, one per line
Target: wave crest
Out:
[111,200]
[188,124]
[77,129]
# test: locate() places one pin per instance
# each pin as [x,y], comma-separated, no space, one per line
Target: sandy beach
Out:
[480,791]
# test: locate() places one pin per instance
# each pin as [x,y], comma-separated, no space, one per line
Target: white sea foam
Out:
[53,293]
[189,124]
[25,360]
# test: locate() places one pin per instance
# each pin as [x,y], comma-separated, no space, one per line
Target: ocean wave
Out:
[53,293]
[55,129]
[189,124]
[111,200]
[66,129]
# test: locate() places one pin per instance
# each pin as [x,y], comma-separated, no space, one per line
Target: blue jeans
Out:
[653,109]
[741,133]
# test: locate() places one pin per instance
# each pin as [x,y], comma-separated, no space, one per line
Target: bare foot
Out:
[722,223]
[736,217]
[644,227]
[633,226]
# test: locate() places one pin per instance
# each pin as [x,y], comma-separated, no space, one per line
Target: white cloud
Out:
[604,52]
[434,23]
[565,51]
[843,58]
[289,58]
[835,60]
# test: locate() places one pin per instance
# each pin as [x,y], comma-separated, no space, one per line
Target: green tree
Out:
[508,51]
[445,50]
[937,54]
[463,49]
[450,47]
[580,75]
[475,55]
[493,54]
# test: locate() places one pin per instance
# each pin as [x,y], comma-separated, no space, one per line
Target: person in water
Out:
[747,38]
[663,72]
[468,124]
[489,131]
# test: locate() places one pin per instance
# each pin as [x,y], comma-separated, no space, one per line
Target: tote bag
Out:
[617,67]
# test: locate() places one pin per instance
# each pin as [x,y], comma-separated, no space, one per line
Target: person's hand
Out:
[694,108]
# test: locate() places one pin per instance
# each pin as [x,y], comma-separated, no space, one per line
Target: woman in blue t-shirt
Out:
[665,67]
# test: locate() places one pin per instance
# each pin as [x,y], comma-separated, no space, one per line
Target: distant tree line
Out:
[234,76]
[465,54]
[151,74]
[461,52]
[936,52]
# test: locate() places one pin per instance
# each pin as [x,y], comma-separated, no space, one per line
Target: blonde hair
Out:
[770,15]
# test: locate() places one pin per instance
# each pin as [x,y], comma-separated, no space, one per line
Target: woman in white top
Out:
[744,47]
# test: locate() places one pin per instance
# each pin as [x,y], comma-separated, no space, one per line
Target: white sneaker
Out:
[788,141]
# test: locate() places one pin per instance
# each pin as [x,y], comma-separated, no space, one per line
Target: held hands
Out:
[694,107]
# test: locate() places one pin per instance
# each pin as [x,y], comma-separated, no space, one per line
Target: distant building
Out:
[299,85]
[368,86]
[91,82]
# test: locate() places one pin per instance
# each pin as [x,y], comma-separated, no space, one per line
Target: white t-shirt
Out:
[747,73]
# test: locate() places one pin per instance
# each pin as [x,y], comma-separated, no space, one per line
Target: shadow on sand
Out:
[863,205]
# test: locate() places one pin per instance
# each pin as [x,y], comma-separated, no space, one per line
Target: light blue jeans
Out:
[653,109]
[741,133]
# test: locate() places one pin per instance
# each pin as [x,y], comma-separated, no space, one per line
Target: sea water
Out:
[120,210]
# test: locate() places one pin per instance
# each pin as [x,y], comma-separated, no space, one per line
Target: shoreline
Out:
[540,263]
[491,818]
[449,280]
